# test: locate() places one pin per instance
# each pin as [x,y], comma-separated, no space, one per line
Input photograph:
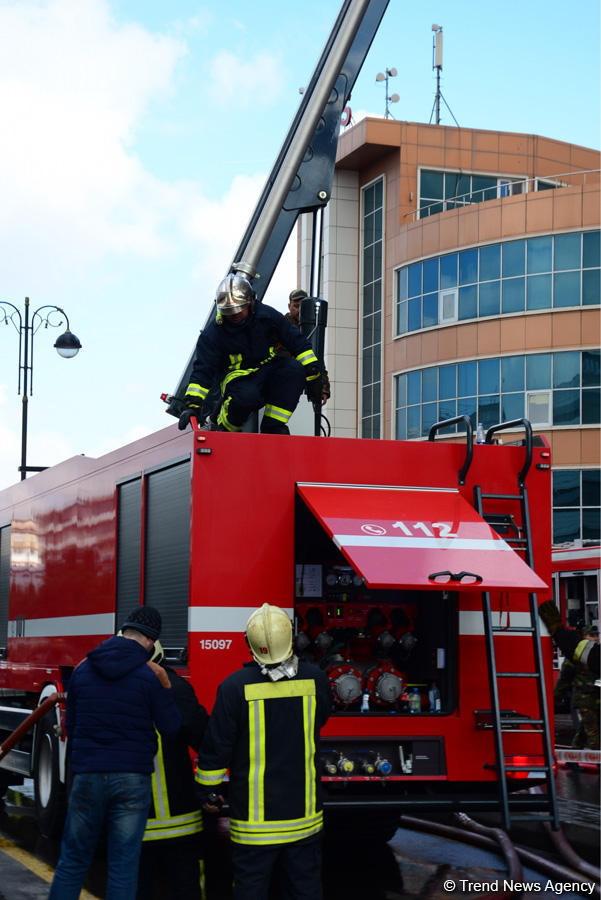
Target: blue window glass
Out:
[402,322]
[368,365]
[488,376]
[468,302]
[447,409]
[413,423]
[448,271]
[376,395]
[467,374]
[429,385]
[427,208]
[591,289]
[566,289]
[368,299]
[366,398]
[591,487]
[368,230]
[377,261]
[488,410]
[513,294]
[415,314]
[591,414]
[567,251]
[490,298]
[566,369]
[566,487]
[538,291]
[430,275]
[401,390]
[483,188]
[401,425]
[466,406]
[538,372]
[468,267]
[430,310]
[566,525]
[490,262]
[431,184]
[513,258]
[512,407]
[368,331]
[591,529]
[590,368]
[377,365]
[540,255]
[414,387]
[447,382]
[368,264]
[566,407]
[378,225]
[429,417]
[378,187]
[512,373]
[403,283]
[377,326]
[415,279]
[368,200]
[591,249]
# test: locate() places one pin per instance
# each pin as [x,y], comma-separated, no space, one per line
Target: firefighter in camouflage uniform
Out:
[265,729]
[584,703]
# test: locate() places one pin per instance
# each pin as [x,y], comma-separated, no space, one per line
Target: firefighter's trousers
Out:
[295,867]
[179,861]
[277,386]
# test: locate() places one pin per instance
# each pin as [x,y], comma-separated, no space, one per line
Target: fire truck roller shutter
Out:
[427,538]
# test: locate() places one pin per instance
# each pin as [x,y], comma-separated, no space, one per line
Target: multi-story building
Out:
[461,268]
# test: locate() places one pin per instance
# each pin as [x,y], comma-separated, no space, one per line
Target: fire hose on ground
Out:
[28,723]
[545,866]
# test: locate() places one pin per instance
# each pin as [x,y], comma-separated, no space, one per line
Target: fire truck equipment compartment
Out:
[417,538]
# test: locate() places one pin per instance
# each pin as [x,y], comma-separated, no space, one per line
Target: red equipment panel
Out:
[417,538]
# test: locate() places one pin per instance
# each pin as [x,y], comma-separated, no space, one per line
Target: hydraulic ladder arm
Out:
[302,176]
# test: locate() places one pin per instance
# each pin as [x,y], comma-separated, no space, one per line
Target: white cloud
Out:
[255,81]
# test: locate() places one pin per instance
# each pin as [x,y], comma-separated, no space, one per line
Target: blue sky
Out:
[137,136]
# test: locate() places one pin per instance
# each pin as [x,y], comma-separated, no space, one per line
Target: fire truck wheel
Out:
[50,794]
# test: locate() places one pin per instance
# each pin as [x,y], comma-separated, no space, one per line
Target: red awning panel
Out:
[412,538]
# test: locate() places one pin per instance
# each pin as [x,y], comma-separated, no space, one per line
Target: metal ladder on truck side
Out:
[522,808]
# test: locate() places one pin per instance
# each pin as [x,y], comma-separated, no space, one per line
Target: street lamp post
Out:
[67,345]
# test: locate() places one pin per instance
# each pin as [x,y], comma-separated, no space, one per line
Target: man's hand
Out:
[160,674]
[192,409]
[550,615]
[213,803]
[313,390]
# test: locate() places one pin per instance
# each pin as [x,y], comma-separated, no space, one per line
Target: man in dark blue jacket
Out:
[239,349]
[115,699]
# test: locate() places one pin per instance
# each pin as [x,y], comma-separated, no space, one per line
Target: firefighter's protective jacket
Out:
[175,810]
[267,734]
[225,351]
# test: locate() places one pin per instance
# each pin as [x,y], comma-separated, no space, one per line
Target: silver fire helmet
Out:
[233,294]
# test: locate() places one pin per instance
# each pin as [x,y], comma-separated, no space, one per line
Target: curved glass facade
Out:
[547,388]
[548,272]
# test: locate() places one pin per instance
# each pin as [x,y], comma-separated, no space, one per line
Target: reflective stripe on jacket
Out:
[267,733]
[225,351]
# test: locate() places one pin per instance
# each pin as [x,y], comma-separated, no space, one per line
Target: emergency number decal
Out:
[215,643]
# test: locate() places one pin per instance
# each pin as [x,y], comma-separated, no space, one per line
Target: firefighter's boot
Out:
[270,425]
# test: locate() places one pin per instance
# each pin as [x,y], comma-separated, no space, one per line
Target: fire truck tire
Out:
[50,793]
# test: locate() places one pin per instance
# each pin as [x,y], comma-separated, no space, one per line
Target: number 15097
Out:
[216,644]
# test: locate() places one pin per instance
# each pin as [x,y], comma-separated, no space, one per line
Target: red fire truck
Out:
[410,569]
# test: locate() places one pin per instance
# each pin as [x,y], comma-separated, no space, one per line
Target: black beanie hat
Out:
[145,619]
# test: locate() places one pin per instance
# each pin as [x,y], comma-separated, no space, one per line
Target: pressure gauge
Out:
[357,580]
[345,578]
[331,579]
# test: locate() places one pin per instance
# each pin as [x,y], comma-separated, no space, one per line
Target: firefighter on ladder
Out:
[172,839]
[239,348]
[265,729]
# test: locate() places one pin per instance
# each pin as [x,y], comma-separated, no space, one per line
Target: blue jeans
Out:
[119,799]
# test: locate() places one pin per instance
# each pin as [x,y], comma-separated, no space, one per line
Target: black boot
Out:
[272,426]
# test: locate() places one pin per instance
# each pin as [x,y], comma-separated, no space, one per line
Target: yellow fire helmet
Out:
[269,635]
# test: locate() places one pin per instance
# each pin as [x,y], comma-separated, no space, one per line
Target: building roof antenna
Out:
[437,64]
[390,98]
